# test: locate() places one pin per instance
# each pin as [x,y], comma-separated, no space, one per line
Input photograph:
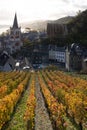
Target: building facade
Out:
[57,54]
[57,30]
[40,54]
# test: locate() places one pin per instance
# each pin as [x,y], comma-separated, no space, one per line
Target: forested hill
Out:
[78,27]
[64,20]
[42,25]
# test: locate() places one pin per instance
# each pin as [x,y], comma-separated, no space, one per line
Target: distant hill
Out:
[38,25]
[42,25]
[64,20]
[4,26]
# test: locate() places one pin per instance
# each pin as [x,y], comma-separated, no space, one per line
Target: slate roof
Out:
[5,58]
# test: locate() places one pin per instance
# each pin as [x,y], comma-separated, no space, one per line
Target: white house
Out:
[57,54]
[60,56]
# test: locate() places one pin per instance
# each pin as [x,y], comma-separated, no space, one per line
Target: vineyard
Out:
[42,100]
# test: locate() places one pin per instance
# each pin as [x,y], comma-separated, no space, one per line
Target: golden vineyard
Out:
[65,99]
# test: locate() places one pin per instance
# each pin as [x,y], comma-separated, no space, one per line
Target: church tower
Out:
[15,23]
[15,36]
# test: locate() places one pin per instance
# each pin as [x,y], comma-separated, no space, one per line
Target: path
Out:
[42,121]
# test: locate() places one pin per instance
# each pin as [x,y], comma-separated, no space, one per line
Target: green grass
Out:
[70,125]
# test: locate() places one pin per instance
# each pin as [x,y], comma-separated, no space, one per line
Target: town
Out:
[43,65]
[38,49]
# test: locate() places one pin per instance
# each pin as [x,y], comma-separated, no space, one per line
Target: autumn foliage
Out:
[30,108]
[71,92]
[9,101]
[65,98]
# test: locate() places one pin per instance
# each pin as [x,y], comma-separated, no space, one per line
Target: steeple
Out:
[15,24]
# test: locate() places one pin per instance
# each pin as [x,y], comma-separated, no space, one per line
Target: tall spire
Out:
[15,24]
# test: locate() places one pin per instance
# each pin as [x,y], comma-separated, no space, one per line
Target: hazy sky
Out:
[28,10]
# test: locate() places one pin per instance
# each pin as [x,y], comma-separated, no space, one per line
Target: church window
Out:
[17,34]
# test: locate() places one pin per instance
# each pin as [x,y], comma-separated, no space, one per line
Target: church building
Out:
[15,42]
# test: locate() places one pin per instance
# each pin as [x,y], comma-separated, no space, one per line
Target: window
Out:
[17,34]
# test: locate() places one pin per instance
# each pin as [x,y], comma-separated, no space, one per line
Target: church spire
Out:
[15,24]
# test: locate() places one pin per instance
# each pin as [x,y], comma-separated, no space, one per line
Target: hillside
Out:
[78,28]
[42,25]
[38,25]
[64,20]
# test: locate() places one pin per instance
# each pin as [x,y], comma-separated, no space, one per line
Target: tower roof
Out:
[15,24]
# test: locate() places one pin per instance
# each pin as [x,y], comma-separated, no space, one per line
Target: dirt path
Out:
[42,121]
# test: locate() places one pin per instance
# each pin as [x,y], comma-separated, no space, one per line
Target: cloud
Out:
[39,9]
[62,14]
[80,6]
[66,1]
[5,17]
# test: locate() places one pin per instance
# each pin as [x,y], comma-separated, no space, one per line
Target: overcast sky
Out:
[28,10]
